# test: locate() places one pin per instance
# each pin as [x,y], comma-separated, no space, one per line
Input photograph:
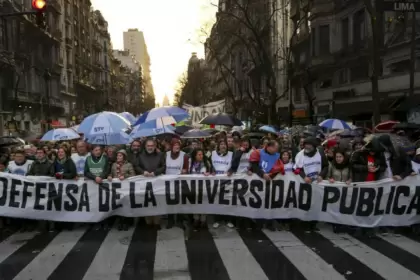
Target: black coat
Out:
[359,165]
[69,169]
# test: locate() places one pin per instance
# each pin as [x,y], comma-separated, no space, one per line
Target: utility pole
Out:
[412,54]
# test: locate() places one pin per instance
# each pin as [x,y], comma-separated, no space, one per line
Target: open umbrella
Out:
[103,123]
[221,119]
[182,129]
[385,126]
[152,128]
[268,128]
[60,134]
[334,124]
[196,133]
[129,117]
[169,114]
[10,141]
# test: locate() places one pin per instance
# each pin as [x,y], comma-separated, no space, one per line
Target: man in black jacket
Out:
[41,166]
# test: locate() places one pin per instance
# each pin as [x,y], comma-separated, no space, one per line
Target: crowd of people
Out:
[359,159]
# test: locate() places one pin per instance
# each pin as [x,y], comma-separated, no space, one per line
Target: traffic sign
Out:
[401,5]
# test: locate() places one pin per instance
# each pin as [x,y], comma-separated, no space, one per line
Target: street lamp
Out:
[47,78]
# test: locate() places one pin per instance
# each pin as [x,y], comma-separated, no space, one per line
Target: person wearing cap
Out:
[415,163]
[121,169]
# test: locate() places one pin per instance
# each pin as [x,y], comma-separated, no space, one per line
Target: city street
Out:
[214,254]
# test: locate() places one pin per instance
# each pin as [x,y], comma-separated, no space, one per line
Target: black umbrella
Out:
[196,133]
[11,140]
[182,129]
[221,119]
[211,130]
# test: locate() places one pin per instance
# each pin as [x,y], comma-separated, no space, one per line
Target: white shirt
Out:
[80,162]
[221,164]
[19,169]
[174,166]
[416,167]
[244,163]
[388,171]
[288,167]
[312,166]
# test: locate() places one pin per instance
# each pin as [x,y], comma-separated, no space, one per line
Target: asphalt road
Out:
[222,254]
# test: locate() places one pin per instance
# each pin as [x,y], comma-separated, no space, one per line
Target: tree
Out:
[179,90]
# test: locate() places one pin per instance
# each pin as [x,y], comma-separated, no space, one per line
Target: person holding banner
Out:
[200,164]
[266,163]
[96,166]
[152,163]
[64,167]
[41,166]
[176,164]
[20,165]
[415,163]
[221,160]
[121,169]
[79,158]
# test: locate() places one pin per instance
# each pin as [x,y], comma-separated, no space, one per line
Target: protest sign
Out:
[381,203]
[200,112]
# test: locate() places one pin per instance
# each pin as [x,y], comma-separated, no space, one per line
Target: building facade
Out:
[30,68]
[332,60]
[134,42]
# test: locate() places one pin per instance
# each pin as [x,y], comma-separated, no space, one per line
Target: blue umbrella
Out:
[60,134]
[169,114]
[105,123]
[139,132]
[334,124]
[120,138]
[129,117]
[196,133]
[268,128]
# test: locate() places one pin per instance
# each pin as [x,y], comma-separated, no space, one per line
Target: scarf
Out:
[62,161]
[119,168]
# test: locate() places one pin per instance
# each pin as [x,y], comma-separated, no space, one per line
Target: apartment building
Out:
[135,42]
[31,67]
[332,61]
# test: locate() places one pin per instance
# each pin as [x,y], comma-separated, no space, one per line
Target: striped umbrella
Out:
[335,124]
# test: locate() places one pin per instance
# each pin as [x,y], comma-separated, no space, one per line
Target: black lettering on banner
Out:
[305,189]
[291,196]
[255,200]
[169,199]
[331,195]
[267,194]
[55,196]
[200,191]
[390,200]
[240,189]
[39,195]
[115,196]
[71,205]
[84,199]
[224,189]
[277,194]
[133,203]
[5,188]
[104,197]
[415,202]
[398,209]
[188,192]
[26,193]
[365,203]
[14,193]
[212,190]
[344,209]
[379,193]
[149,196]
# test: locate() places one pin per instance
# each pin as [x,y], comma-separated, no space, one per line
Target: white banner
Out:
[198,113]
[383,203]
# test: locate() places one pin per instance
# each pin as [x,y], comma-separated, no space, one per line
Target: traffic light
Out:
[40,7]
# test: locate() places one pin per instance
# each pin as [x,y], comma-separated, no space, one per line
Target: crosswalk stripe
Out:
[78,260]
[398,255]
[49,258]
[239,262]
[17,261]
[14,242]
[403,243]
[274,263]
[140,257]
[384,266]
[309,263]
[111,255]
[171,261]
[204,261]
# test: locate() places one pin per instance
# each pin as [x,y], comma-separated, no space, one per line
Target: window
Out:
[313,41]
[345,33]
[343,76]
[359,72]
[359,28]
[400,67]
[324,39]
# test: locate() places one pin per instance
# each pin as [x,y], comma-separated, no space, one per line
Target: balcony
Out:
[322,60]
[98,65]
[57,68]
[321,8]
[69,42]
[22,96]
[96,44]
[57,35]
[55,5]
